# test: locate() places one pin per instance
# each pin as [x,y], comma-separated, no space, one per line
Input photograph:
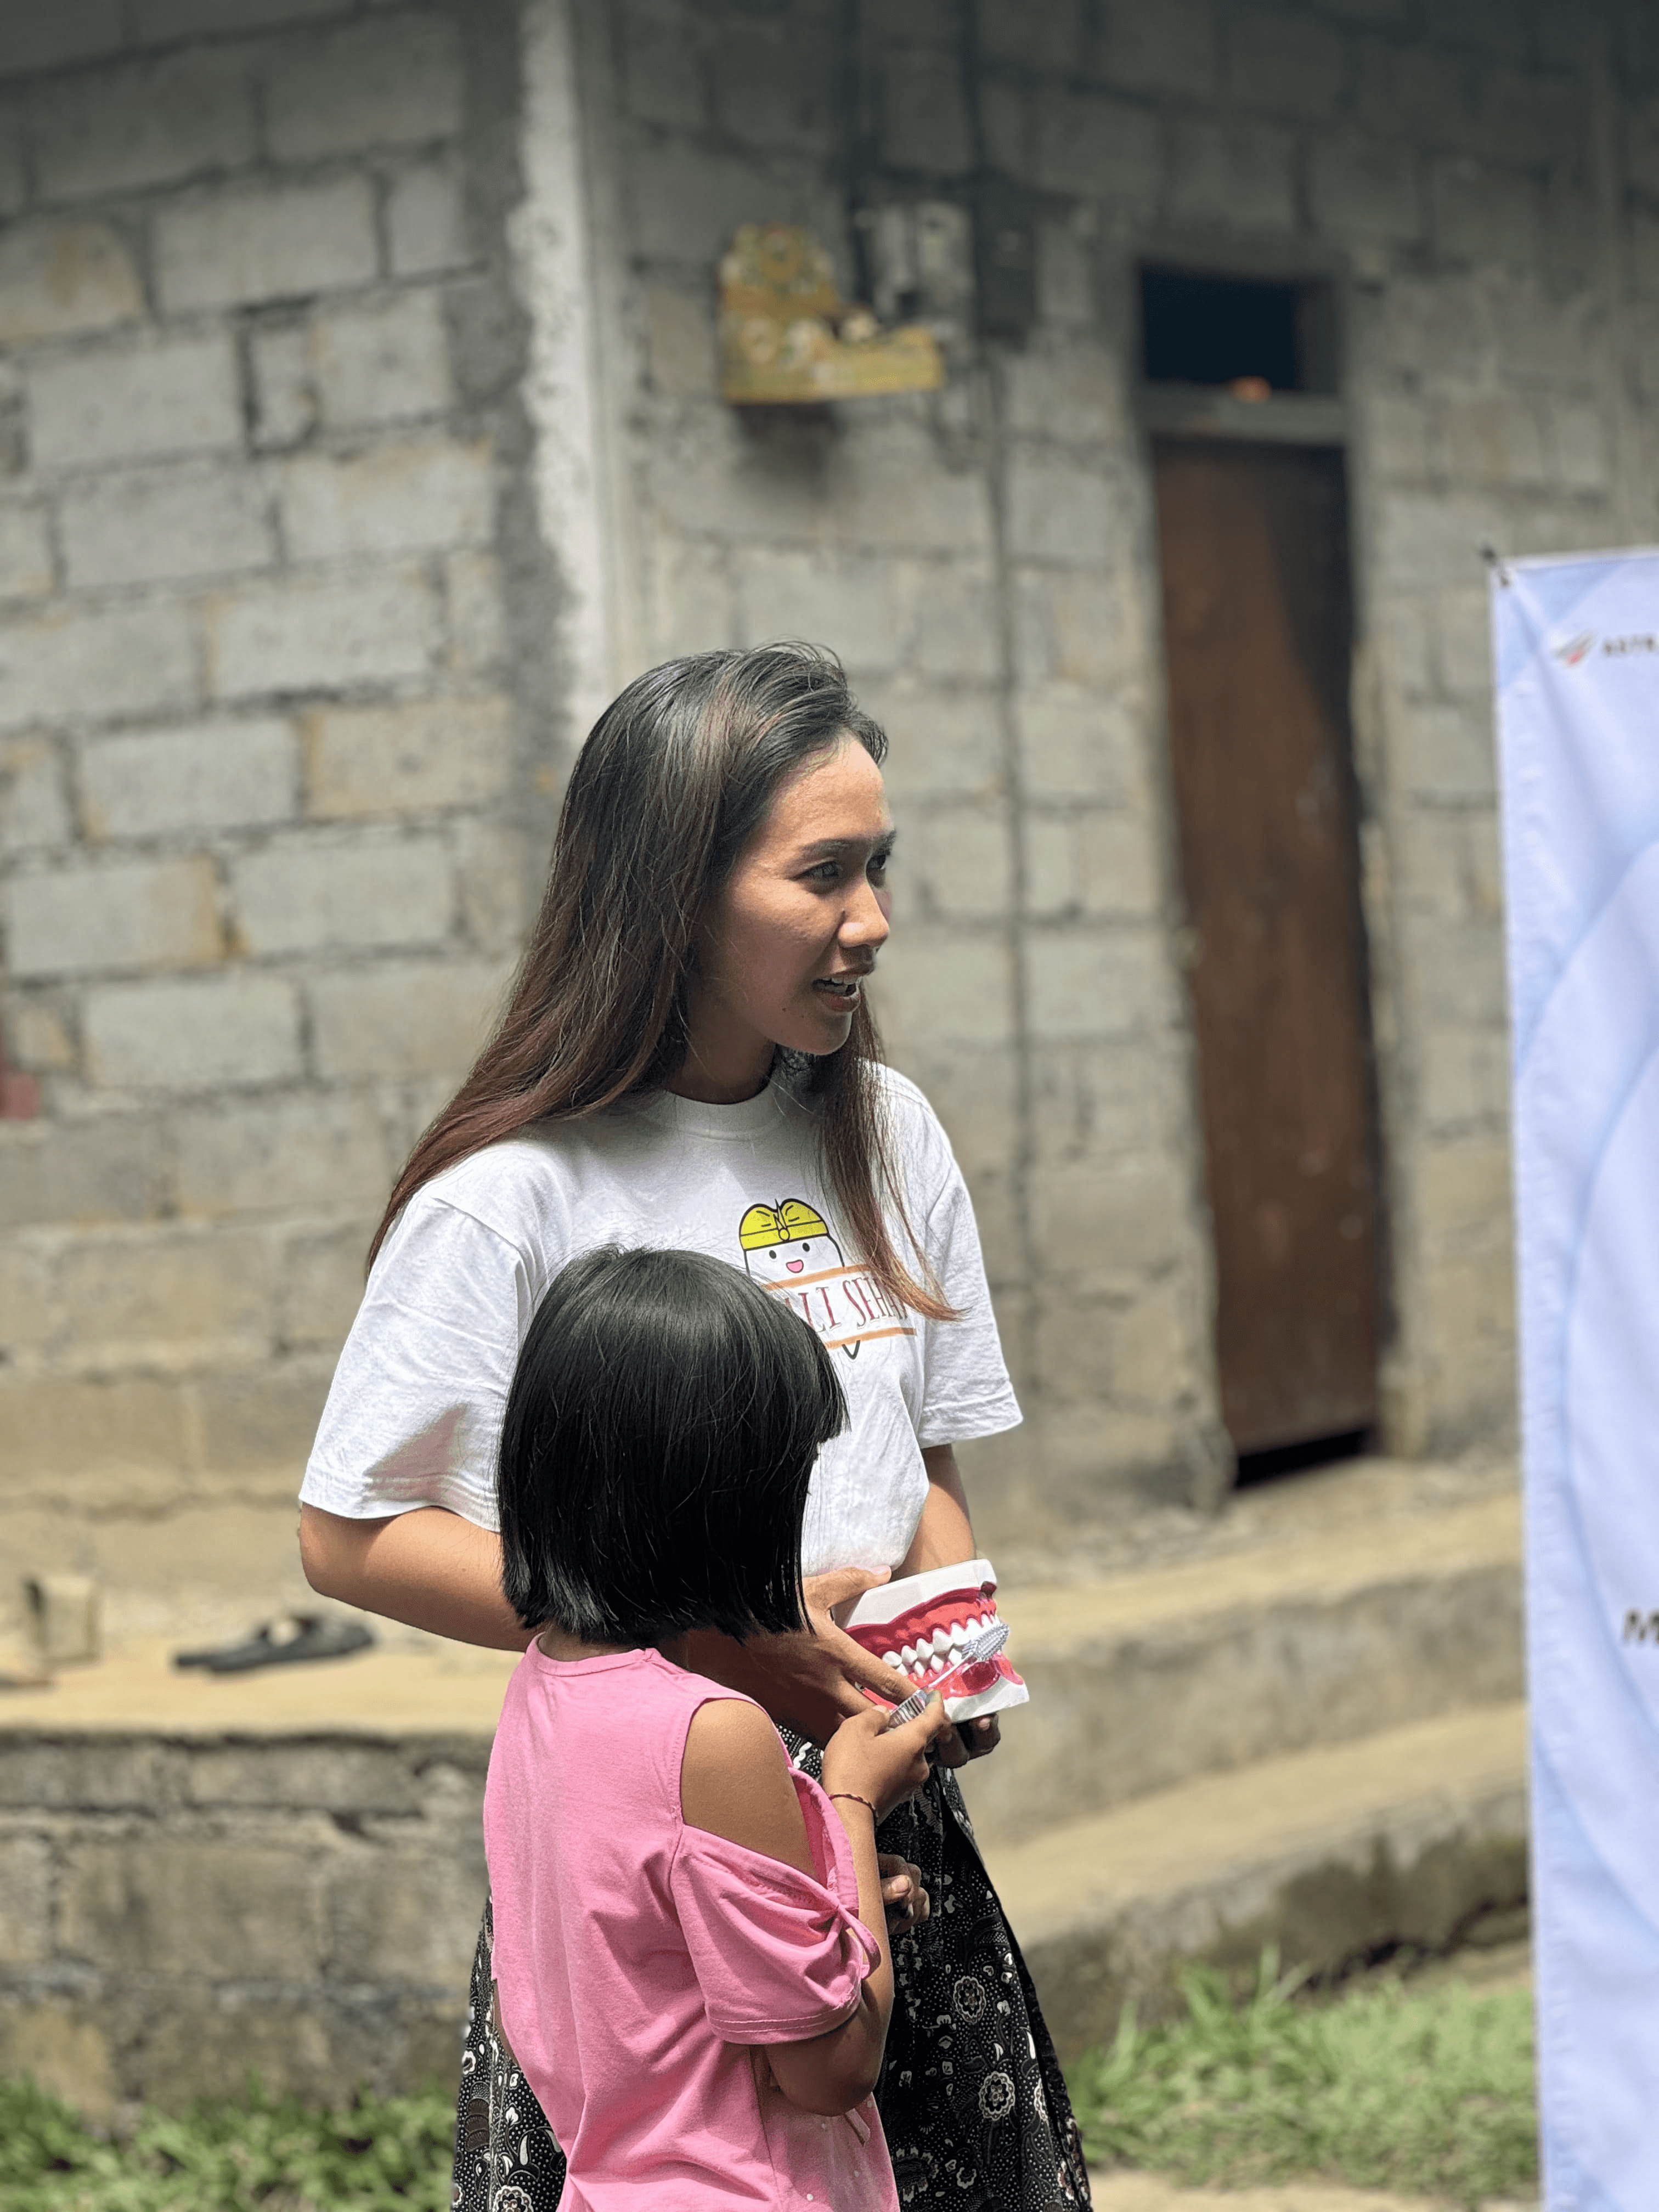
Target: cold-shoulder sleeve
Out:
[778,1956]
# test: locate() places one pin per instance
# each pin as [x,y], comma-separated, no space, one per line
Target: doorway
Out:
[1252,550]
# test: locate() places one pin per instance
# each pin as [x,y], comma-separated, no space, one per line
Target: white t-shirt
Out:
[414,1416]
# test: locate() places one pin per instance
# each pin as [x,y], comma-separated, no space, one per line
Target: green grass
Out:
[258,2154]
[1427,2093]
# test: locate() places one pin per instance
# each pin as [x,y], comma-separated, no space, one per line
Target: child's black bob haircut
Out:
[659,1436]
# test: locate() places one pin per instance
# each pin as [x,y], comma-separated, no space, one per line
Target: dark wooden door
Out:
[1253,547]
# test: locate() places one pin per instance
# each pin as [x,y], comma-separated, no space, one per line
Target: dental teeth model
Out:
[923,1626]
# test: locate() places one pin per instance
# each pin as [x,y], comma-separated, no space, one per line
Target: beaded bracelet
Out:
[852,1796]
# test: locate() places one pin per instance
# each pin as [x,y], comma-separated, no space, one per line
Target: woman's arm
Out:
[415,1411]
[437,1571]
[944,1534]
[428,1567]
[809,1681]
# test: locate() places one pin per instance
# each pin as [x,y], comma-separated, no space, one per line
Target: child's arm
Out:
[735,1782]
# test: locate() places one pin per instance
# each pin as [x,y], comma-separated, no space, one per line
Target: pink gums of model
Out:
[922,1624]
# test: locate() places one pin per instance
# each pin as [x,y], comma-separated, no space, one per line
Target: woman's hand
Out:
[869,1758]
[901,1893]
[968,1740]
[809,1681]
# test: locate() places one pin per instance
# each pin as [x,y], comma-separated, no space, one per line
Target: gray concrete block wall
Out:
[1121,1358]
[1436,176]
[276,695]
[177,1912]
[264,751]
[1438,166]
[1476,418]
[1487,379]
[973,556]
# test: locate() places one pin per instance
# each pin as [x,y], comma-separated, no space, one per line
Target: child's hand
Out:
[882,1764]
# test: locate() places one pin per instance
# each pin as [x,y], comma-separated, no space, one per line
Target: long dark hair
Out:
[677,776]
[660,1437]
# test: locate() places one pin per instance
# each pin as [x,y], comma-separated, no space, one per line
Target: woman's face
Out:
[796,928]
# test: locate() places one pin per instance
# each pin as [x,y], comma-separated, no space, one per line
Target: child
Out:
[690,1959]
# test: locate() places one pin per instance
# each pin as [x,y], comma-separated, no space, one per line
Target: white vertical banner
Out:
[1576,642]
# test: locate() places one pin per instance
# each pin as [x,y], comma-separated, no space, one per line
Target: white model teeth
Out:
[941,1640]
[908,1655]
[890,1659]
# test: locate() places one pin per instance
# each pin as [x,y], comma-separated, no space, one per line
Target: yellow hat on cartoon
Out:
[780,1224]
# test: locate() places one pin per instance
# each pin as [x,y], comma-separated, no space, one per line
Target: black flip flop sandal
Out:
[293,1639]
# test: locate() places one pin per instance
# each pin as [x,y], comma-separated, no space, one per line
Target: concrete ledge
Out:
[421,1685]
[1403,1837]
[1142,1682]
[175,1912]
[284,1871]
[281,1872]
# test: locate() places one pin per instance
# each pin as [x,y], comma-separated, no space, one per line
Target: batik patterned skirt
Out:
[971,2096]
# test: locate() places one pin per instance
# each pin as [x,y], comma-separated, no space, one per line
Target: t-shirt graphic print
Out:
[787,1248]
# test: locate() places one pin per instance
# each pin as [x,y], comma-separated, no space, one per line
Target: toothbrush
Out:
[972,1671]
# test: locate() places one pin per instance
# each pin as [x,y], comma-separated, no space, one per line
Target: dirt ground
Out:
[1145,2192]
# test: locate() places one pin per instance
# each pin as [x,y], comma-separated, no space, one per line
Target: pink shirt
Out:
[637,1959]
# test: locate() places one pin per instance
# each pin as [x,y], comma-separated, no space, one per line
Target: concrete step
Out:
[1145,1680]
[176,1846]
[1406,1836]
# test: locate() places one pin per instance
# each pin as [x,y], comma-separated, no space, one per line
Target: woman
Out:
[687,1058]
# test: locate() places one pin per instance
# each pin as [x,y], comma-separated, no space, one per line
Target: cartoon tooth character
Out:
[783,1244]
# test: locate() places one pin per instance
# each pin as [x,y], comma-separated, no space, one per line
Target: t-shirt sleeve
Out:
[414,1415]
[966,1392]
[779,1957]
